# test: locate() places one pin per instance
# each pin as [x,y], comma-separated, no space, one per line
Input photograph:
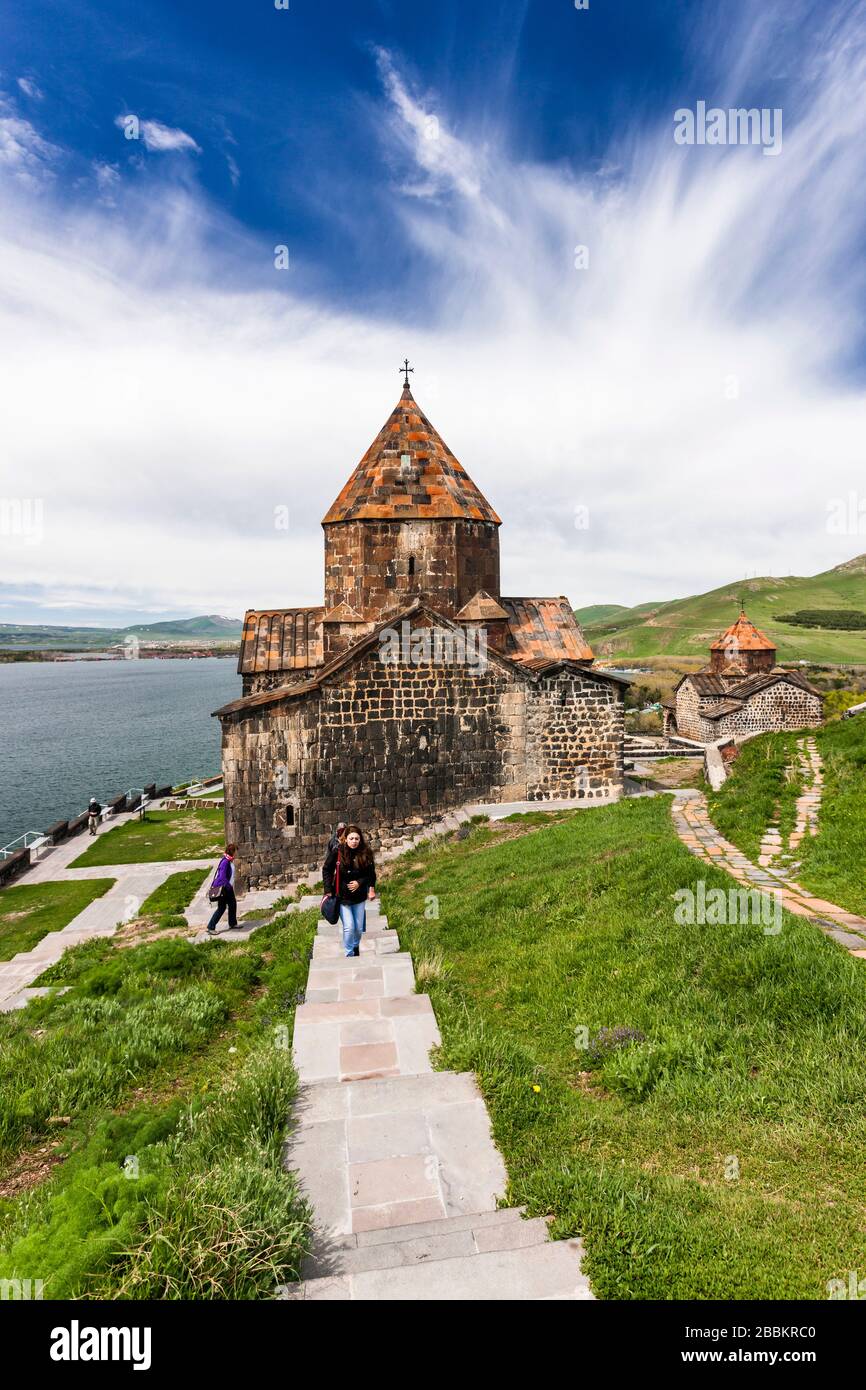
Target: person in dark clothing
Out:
[224,885]
[94,811]
[337,835]
[351,861]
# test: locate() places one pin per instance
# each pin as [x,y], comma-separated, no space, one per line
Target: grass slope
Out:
[167,1070]
[761,790]
[719,1158]
[687,626]
[161,838]
[29,911]
[834,862]
[761,782]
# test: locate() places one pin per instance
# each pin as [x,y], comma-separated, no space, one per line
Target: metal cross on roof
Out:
[406,369]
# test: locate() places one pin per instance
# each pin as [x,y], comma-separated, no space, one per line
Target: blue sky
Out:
[694,391]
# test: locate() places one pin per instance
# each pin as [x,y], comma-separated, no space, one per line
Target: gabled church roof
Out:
[530,666]
[544,630]
[481,608]
[409,471]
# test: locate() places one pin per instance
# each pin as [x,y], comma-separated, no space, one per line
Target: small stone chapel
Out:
[416,687]
[741,692]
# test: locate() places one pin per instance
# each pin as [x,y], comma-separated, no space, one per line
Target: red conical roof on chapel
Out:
[743,636]
[409,472]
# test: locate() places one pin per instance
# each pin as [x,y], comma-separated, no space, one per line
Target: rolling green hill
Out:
[686,627]
[42,637]
[599,612]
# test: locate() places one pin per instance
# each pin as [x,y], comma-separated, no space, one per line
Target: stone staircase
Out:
[397,1159]
[640,749]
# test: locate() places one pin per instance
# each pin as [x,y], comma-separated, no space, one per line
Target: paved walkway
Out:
[396,1158]
[132,884]
[693,825]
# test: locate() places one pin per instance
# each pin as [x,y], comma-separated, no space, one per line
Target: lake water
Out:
[70,730]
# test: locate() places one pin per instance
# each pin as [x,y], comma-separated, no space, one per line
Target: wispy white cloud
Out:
[25,156]
[29,88]
[690,387]
[158,138]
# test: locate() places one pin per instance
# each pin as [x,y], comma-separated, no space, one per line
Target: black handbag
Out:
[214,894]
[330,907]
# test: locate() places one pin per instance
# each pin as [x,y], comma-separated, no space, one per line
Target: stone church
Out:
[742,691]
[416,687]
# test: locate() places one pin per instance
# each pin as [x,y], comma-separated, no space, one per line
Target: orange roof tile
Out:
[743,636]
[281,639]
[432,484]
[545,629]
[480,608]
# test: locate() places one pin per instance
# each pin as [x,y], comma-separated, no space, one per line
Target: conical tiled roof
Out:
[409,471]
[743,636]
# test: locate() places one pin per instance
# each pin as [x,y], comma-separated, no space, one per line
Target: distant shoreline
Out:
[12,656]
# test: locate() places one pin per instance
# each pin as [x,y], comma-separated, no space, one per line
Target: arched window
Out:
[411,564]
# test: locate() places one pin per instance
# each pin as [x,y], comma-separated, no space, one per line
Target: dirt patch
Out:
[679,772]
[143,929]
[29,1169]
[587,1084]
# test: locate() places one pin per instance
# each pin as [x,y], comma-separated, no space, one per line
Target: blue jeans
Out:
[353,916]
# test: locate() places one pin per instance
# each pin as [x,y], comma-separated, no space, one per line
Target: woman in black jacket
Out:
[349,869]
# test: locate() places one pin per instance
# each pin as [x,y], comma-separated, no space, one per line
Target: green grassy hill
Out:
[599,612]
[204,630]
[686,627]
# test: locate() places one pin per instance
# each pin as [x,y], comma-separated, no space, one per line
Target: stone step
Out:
[364,1038]
[375,927]
[540,1272]
[372,944]
[394,1152]
[448,1239]
[361,977]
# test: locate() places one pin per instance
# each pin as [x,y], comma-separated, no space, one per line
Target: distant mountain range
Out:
[687,626]
[209,630]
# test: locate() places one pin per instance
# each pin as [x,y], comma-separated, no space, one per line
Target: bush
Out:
[209,1213]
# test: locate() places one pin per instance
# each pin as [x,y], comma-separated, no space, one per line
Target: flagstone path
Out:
[775,852]
[693,825]
[397,1159]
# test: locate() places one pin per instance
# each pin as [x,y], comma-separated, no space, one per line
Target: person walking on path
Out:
[349,868]
[94,811]
[222,890]
[337,835]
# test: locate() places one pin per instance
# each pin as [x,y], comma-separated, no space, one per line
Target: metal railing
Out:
[37,839]
[31,839]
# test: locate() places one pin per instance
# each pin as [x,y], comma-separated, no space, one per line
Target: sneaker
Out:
[212,931]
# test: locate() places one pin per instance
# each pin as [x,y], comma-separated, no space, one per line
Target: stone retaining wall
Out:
[401,744]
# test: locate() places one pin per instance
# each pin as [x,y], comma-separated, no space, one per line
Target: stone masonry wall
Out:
[688,715]
[373,565]
[272,680]
[400,744]
[264,759]
[779,707]
[574,738]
